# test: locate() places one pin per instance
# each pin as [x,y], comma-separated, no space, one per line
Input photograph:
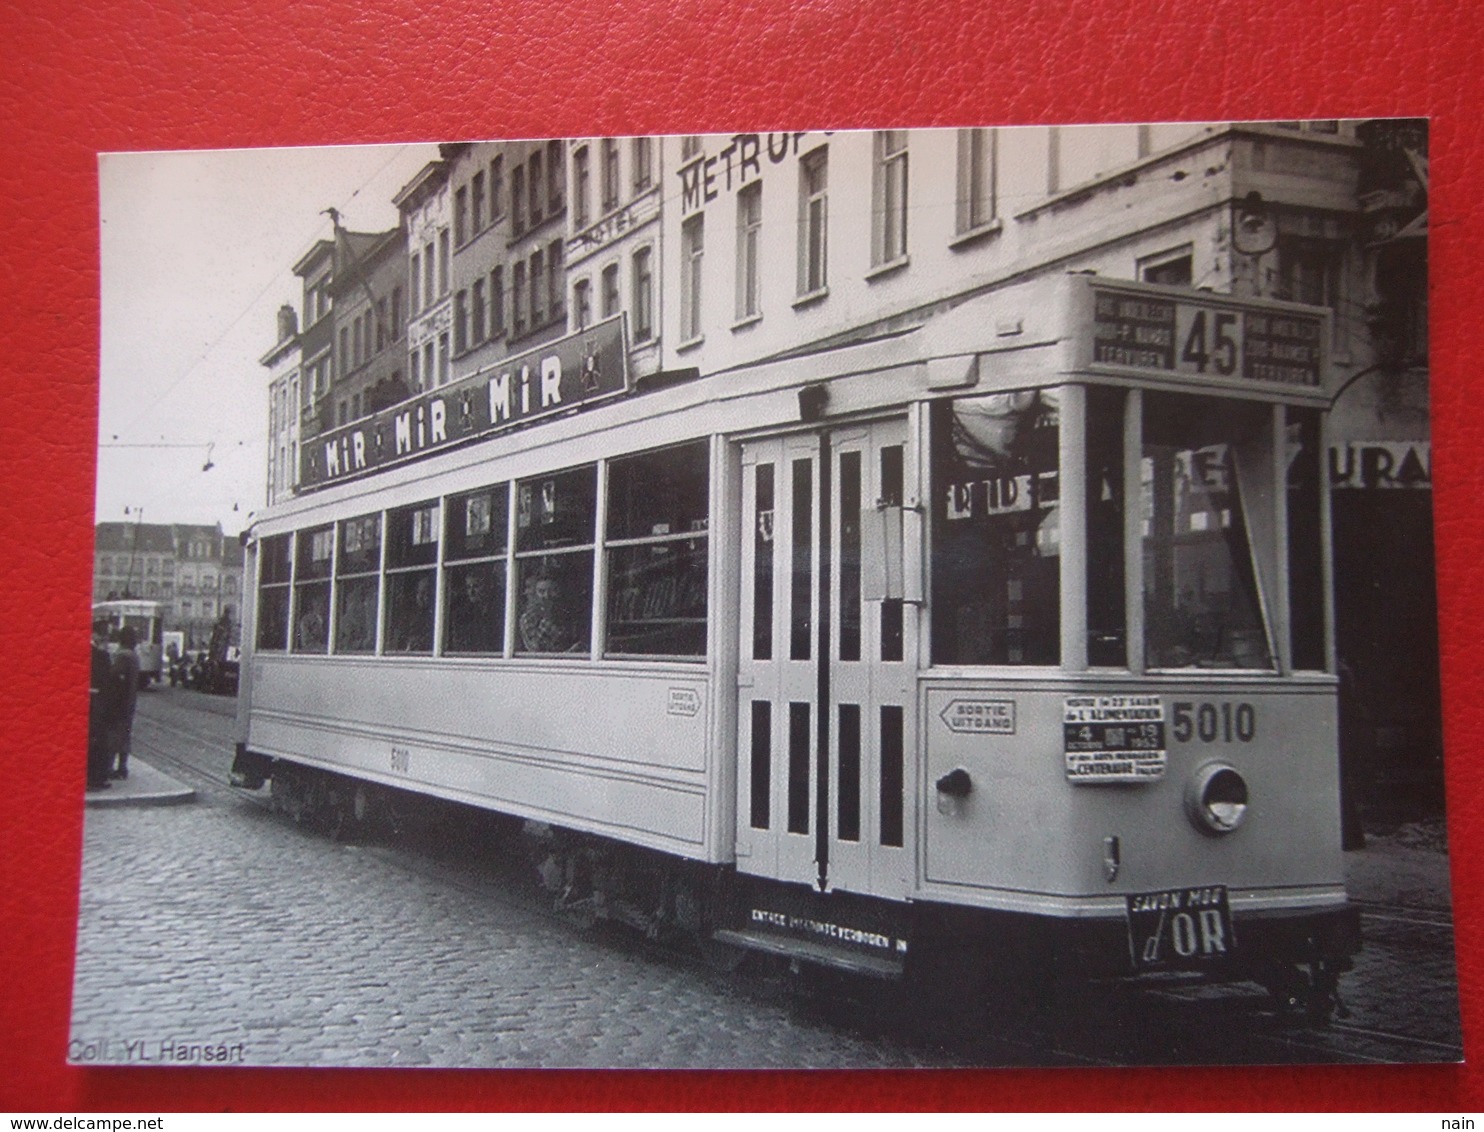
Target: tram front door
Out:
[826,726]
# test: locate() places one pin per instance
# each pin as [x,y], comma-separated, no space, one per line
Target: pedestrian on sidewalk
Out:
[126,681]
[102,710]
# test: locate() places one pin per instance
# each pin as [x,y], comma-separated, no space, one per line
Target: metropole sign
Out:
[567,375]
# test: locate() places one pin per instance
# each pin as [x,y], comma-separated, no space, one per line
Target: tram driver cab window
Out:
[1206,468]
[996,529]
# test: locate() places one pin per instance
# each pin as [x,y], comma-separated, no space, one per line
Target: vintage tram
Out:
[1007,630]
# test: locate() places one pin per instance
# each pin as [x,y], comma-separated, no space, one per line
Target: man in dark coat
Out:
[126,679]
[102,709]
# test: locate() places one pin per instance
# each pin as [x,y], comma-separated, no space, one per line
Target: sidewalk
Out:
[1385,872]
[145,786]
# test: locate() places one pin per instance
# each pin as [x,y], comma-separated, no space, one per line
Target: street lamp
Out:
[133,547]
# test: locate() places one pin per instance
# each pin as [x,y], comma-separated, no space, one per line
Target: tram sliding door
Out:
[825,718]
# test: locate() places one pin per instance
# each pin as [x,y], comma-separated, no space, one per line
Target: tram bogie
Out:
[1013,654]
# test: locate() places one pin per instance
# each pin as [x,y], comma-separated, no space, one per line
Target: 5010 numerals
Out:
[1224,722]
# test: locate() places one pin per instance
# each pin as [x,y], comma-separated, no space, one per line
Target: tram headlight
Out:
[1216,799]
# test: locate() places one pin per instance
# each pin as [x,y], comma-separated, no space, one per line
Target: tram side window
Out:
[555,521]
[275,556]
[656,552]
[996,529]
[411,576]
[477,527]
[312,590]
[1201,607]
[357,584]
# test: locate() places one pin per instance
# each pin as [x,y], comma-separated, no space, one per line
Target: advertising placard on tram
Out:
[570,373]
[1112,739]
[1215,336]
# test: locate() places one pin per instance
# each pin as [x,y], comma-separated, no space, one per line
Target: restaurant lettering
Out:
[569,374]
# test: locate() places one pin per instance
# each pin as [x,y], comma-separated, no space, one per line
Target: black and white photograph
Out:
[874,599]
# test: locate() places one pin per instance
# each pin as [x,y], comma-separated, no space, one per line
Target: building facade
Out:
[425,209]
[370,357]
[285,407]
[194,570]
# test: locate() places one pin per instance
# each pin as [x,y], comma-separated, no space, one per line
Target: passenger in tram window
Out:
[474,617]
[413,631]
[312,623]
[543,628]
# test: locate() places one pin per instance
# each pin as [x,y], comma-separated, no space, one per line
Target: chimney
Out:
[288,323]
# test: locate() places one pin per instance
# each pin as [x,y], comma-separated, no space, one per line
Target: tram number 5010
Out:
[1225,722]
[401,760]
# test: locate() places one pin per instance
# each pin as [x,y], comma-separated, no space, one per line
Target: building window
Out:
[476,312]
[813,222]
[538,288]
[414,278]
[430,271]
[476,203]
[537,187]
[497,188]
[976,179]
[1174,268]
[397,316]
[582,304]
[443,261]
[690,146]
[414,369]
[461,322]
[430,364]
[355,407]
[497,301]
[555,174]
[749,224]
[460,215]
[556,293]
[345,357]
[1309,270]
[518,199]
[610,290]
[610,174]
[889,230]
[518,299]
[692,252]
[581,175]
[443,358]
[642,156]
[381,325]
[643,295]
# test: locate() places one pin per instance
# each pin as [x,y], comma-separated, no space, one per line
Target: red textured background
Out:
[159,74]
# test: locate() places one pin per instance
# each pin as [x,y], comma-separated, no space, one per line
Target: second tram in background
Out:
[1005,635]
[147,619]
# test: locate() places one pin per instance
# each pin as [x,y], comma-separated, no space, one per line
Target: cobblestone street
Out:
[219,932]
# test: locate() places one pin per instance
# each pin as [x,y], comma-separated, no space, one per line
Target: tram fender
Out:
[250,769]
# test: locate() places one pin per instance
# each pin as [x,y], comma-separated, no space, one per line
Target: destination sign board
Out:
[571,373]
[1206,336]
